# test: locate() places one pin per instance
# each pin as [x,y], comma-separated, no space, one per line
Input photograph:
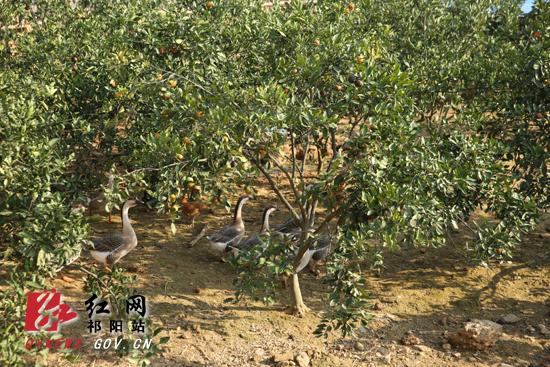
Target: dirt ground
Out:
[429,292]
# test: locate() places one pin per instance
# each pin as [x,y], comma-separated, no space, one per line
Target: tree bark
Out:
[297,307]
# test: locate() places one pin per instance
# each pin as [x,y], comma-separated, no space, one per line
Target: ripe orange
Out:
[199,114]
[317,42]
[209,4]
[173,83]
[186,141]
[339,88]
[537,35]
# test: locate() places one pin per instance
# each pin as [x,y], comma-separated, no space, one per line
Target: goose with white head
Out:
[108,250]
[233,233]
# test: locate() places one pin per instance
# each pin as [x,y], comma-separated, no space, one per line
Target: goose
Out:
[108,250]
[316,254]
[97,203]
[289,229]
[255,239]
[232,233]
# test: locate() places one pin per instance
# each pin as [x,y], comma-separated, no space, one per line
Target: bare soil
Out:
[430,292]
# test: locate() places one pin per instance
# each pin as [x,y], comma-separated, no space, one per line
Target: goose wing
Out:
[305,260]
[322,250]
[320,253]
[226,235]
[245,245]
[108,243]
[290,226]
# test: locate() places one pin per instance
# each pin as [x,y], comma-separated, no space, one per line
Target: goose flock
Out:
[111,248]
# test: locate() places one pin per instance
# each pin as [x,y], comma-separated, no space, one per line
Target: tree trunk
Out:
[297,307]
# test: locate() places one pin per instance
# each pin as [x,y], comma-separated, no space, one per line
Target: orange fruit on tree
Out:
[112,82]
[537,35]
[173,83]
[199,114]
[339,88]
[351,7]
[209,4]
[317,42]
[186,141]
[360,59]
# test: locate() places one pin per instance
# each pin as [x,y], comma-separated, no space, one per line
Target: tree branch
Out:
[297,195]
[274,187]
[153,168]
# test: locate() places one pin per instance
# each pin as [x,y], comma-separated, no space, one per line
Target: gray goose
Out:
[232,233]
[289,230]
[320,252]
[108,250]
[255,239]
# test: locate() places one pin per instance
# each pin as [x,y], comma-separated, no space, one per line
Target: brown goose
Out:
[108,250]
[232,233]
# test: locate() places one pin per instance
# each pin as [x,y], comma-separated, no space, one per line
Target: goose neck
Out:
[127,229]
[238,212]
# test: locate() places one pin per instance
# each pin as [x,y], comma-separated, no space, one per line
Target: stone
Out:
[390,299]
[544,330]
[457,355]
[446,346]
[302,359]
[410,339]
[359,346]
[505,365]
[386,358]
[285,364]
[477,334]
[186,335]
[282,357]
[510,319]
[259,355]
[422,348]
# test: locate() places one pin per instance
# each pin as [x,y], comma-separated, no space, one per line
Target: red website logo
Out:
[46,312]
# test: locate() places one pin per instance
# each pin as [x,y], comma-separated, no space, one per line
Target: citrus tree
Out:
[383,125]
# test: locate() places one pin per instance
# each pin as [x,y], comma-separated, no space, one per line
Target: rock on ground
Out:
[302,359]
[477,334]
[510,319]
